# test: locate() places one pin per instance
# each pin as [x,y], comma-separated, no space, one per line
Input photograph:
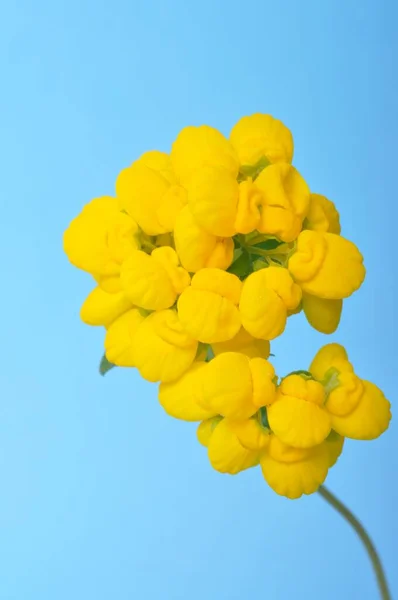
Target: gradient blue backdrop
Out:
[102,495]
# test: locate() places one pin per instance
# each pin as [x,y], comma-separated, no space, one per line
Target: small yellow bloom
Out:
[101,308]
[235,386]
[244,343]
[267,296]
[119,339]
[298,416]
[322,215]
[358,409]
[153,282]
[208,308]
[100,238]
[204,146]
[199,249]
[327,265]
[213,195]
[292,472]
[180,398]
[261,135]
[323,315]
[226,453]
[162,350]
[147,190]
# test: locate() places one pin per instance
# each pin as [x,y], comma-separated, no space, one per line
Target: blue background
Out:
[102,495]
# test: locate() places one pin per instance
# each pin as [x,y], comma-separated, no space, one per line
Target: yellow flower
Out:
[358,409]
[226,453]
[322,215]
[275,203]
[244,343]
[100,308]
[199,249]
[208,308]
[148,191]
[323,315]
[119,339]
[181,398]
[213,195]
[235,386]
[153,282]
[292,472]
[267,296]
[261,135]
[298,416]
[100,238]
[327,265]
[162,350]
[204,146]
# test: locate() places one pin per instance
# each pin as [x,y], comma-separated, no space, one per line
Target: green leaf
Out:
[105,366]
[270,244]
[242,265]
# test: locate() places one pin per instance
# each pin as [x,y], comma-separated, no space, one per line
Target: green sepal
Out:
[105,366]
[242,266]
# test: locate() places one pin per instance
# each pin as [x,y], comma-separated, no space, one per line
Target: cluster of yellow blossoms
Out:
[199,260]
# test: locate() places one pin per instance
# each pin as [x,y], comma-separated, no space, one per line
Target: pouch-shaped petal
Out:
[163,351]
[322,215]
[154,281]
[146,192]
[323,315]
[292,472]
[213,195]
[330,356]
[199,249]
[208,308]
[244,343]
[267,296]
[203,146]
[250,433]
[101,308]
[180,398]
[205,430]
[226,454]
[369,419]
[235,386]
[327,265]
[101,237]
[261,135]
[120,338]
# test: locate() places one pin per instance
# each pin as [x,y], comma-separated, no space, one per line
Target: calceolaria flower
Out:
[198,261]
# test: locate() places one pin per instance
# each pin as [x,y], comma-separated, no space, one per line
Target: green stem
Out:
[363,535]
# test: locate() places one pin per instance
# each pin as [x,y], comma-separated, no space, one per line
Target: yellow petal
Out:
[213,200]
[293,472]
[301,387]
[297,422]
[226,454]
[266,297]
[153,282]
[205,430]
[100,308]
[322,215]
[100,237]
[204,146]
[120,338]
[369,419]
[197,248]
[344,398]
[250,433]
[261,135]
[328,357]
[244,343]
[323,315]
[334,445]
[180,398]
[263,376]
[327,265]
[163,351]
[208,308]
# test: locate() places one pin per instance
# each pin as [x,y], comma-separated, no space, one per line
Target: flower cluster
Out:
[199,259]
